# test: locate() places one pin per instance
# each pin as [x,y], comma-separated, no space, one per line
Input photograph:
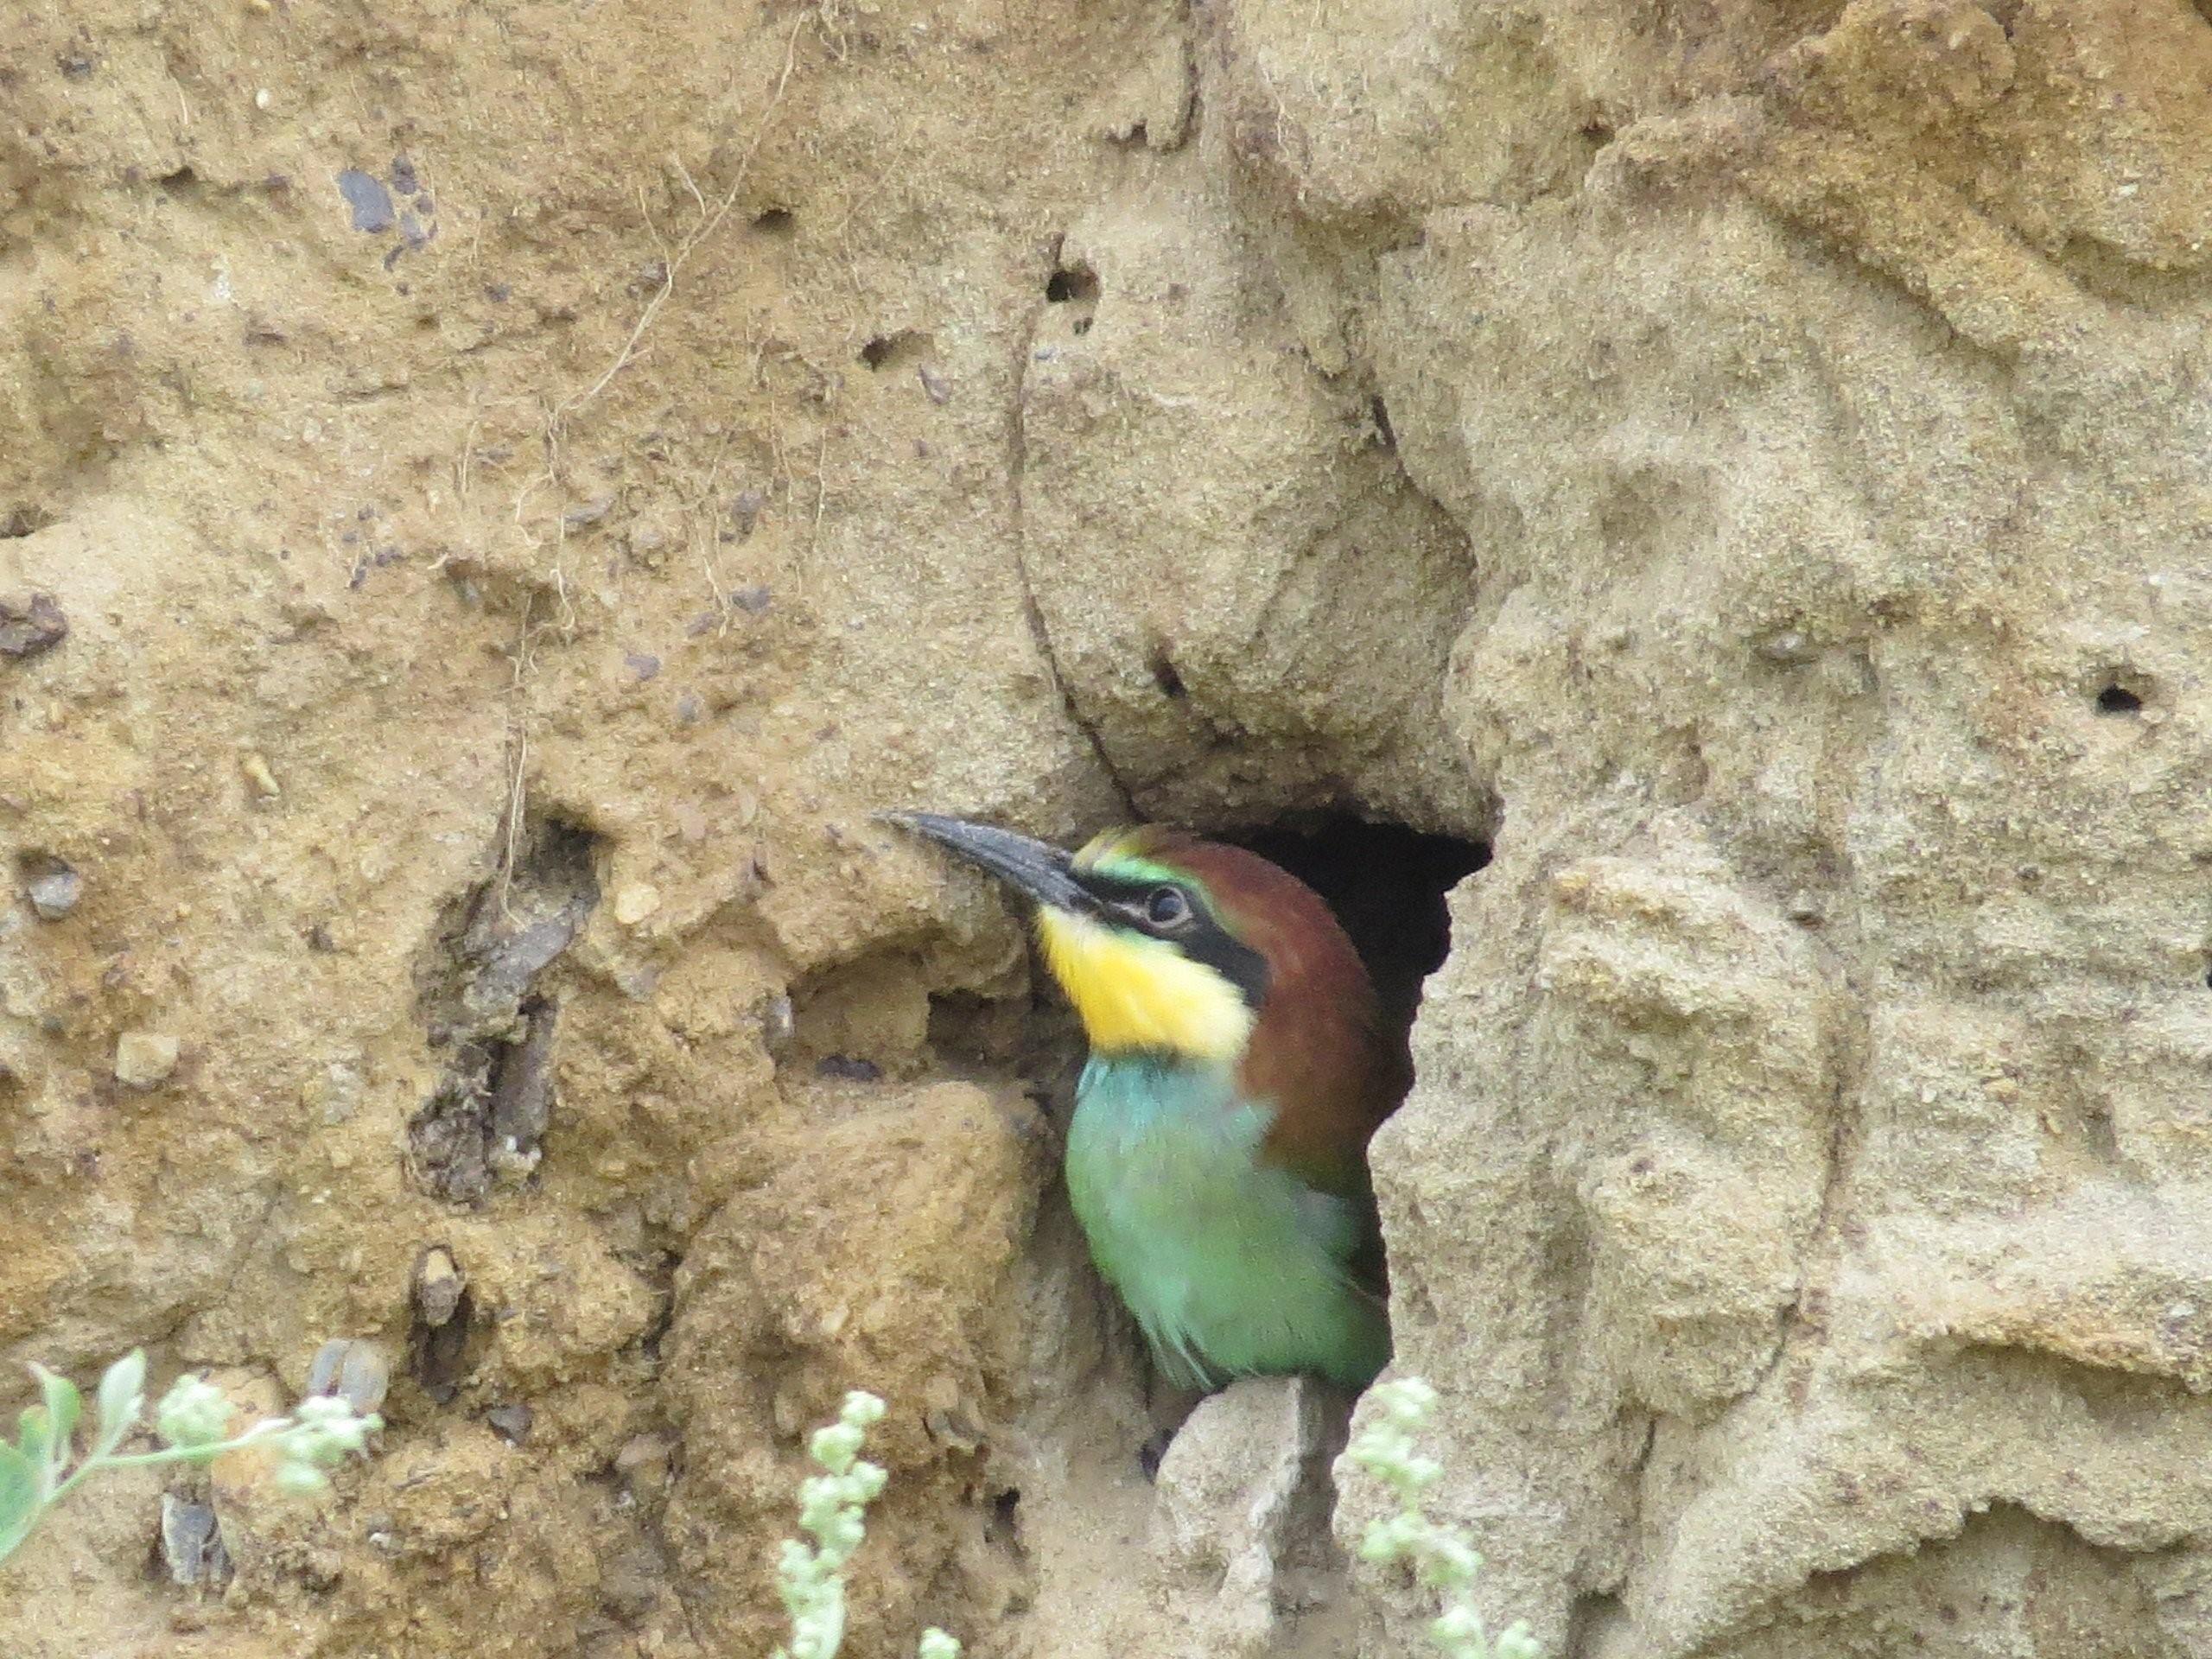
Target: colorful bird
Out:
[1217,1156]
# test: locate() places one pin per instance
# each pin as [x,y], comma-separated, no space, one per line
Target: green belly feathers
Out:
[1232,1267]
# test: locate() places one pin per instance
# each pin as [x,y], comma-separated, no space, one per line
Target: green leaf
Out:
[34,1445]
[64,1406]
[123,1397]
[21,1498]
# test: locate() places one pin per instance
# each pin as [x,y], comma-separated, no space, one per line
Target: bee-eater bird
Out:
[1217,1156]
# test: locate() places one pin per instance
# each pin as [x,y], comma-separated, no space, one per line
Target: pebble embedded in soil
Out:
[192,1541]
[256,771]
[31,623]
[511,1423]
[355,1371]
[54,891]
[143,1059]
[1788,646]
[635,902]
[371,203]
[438,1287]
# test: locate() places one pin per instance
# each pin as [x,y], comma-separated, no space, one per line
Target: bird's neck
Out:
[1135,1099]
[1170,1075]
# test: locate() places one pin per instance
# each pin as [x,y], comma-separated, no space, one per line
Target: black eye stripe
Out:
[1199,935]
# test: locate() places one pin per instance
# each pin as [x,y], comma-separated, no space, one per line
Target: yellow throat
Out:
[1139,993]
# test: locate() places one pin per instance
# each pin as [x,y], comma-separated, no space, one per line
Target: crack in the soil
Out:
[1017,472]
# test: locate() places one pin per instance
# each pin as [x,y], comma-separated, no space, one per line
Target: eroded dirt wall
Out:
[493,497]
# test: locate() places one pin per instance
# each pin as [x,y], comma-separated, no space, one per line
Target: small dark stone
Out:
[644,666]
[403,175]
[373,211]
[32,626]
[192,1542]
[522,1090]
[752,600]
[54,889]
[511,1423]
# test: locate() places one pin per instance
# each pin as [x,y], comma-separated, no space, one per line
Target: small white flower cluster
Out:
[194,1419]
[1440,1558]
[324,1432]
[831,1508]
[195,1416]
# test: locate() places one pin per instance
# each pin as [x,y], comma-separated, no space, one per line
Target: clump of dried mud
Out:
[493,498]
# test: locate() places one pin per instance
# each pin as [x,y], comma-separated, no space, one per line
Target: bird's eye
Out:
[1166,906]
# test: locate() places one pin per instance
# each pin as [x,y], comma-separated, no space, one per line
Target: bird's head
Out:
[1170,944]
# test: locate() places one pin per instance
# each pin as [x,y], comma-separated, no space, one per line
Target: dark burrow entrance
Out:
[1387,884]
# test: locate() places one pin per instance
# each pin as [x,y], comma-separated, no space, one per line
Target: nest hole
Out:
[1387,884]
[894,350]
[1072,285]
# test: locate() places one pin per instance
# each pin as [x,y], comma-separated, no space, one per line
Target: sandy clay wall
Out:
[493,495]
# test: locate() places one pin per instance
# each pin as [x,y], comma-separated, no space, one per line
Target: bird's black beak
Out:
[1045,873]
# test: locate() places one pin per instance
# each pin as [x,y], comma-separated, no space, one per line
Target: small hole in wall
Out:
[1072,285]
[894,350]
[2117,699]
[774,222]
[1165,677]
[1004,1527]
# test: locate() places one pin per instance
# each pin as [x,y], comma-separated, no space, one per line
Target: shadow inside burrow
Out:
[1387,885]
